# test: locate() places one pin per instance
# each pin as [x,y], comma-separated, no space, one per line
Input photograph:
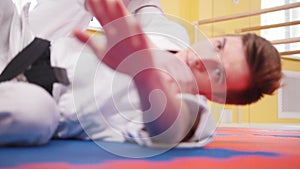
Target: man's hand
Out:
[127,47]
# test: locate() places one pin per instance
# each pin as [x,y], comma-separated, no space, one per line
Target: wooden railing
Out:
[257,28]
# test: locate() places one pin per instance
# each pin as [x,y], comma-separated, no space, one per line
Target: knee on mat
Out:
[28,114]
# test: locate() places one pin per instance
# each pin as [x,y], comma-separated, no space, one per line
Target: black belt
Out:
[34,63]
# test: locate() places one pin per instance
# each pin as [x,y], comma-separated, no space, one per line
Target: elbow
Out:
[166,138]
[168,133]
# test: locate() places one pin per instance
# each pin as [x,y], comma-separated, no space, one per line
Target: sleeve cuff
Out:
[135,5]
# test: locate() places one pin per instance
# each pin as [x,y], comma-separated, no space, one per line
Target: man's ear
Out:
[210,64]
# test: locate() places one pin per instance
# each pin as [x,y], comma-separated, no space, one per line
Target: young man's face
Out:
[219,66]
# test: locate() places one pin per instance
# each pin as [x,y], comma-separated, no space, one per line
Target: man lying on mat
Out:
[150,97]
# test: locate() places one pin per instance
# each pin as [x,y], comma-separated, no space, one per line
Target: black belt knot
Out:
[34,63]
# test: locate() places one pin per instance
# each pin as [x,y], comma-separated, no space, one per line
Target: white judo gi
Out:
[100,103]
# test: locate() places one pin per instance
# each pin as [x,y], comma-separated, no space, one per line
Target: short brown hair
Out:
[265,70]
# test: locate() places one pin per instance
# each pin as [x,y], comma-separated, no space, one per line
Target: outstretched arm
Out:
[166,117]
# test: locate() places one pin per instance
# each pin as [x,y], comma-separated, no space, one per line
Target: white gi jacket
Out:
[100,103]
